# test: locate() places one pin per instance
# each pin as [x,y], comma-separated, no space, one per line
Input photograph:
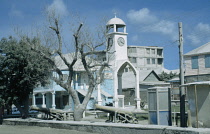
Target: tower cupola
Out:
[116,25]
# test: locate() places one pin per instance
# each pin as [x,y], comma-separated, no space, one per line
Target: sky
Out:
[148,22]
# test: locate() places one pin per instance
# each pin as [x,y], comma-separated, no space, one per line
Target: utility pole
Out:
[181,88]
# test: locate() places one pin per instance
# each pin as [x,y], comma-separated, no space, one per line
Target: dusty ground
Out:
[90,116]
[7,129]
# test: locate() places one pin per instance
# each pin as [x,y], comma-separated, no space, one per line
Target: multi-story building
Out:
[146,57]
[197,64]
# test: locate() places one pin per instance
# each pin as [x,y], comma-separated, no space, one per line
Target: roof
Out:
[115,21]
[197,83]
[83,92]
[175,79]
[69,57]
[143,74]
[105,93]
[200,50]
[144,46]
[154,83]
[128,79]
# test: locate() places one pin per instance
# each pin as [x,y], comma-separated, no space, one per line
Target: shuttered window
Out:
[207,61]
[194,62]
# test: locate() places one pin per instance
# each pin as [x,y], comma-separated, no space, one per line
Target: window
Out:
[148,51]
[160,61]
[194,61]
[65,77]
[153,61]
[153,51]
[159,52]
[148,61]
[207,61]
[132,50]
[132,59]
[126,69]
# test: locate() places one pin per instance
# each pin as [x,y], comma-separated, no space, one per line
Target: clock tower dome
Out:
[117,39]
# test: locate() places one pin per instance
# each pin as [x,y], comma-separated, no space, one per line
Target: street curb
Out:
[106,128]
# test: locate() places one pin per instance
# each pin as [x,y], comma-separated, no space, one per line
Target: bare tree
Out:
[86,51]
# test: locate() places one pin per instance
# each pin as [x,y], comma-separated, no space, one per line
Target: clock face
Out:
[120,41]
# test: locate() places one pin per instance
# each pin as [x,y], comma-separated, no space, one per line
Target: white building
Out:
[133,69]
[146,57]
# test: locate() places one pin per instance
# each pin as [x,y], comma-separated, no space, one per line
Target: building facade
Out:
[146,57]
[197,64]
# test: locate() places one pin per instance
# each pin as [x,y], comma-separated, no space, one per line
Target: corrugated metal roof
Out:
[200,50]
[197,83]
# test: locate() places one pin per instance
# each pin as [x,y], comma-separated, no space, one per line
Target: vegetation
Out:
[21,70]
[167,76]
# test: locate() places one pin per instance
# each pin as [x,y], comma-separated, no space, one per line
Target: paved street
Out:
[7,129]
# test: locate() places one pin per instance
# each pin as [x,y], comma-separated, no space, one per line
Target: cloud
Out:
[203,27]
[58,7]
[200,34]
[143,16]
[16,13]
[147,22]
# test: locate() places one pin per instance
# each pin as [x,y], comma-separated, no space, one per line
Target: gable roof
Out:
[200,50]
[128,79]
[150,74]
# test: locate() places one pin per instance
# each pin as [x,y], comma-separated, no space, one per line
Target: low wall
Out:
[106,128]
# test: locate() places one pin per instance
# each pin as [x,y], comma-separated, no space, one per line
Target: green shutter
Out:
[194,62]
[207,61]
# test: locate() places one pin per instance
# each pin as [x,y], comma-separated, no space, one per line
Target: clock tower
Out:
[118,60]
[117,39]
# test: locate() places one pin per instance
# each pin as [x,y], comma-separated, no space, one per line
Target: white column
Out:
[34,100]
[124,29]
[115,101]
[53,100]
[137,92]
[119,78]
[115,28]
[43,101]
[99,100]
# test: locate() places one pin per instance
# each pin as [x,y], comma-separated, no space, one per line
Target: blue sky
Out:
[149,22]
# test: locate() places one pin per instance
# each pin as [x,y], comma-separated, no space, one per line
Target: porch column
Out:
[99,100]
[34,100]
[43,101]
[53,100]
[137,92]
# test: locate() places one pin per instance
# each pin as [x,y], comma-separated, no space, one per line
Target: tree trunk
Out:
[1,114]
[26,107]
[78,112]
[23,106]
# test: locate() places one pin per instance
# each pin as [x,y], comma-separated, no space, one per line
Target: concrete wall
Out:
[106,128]
[203,105]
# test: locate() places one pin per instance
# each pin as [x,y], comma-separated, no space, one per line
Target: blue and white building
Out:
[129,74]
